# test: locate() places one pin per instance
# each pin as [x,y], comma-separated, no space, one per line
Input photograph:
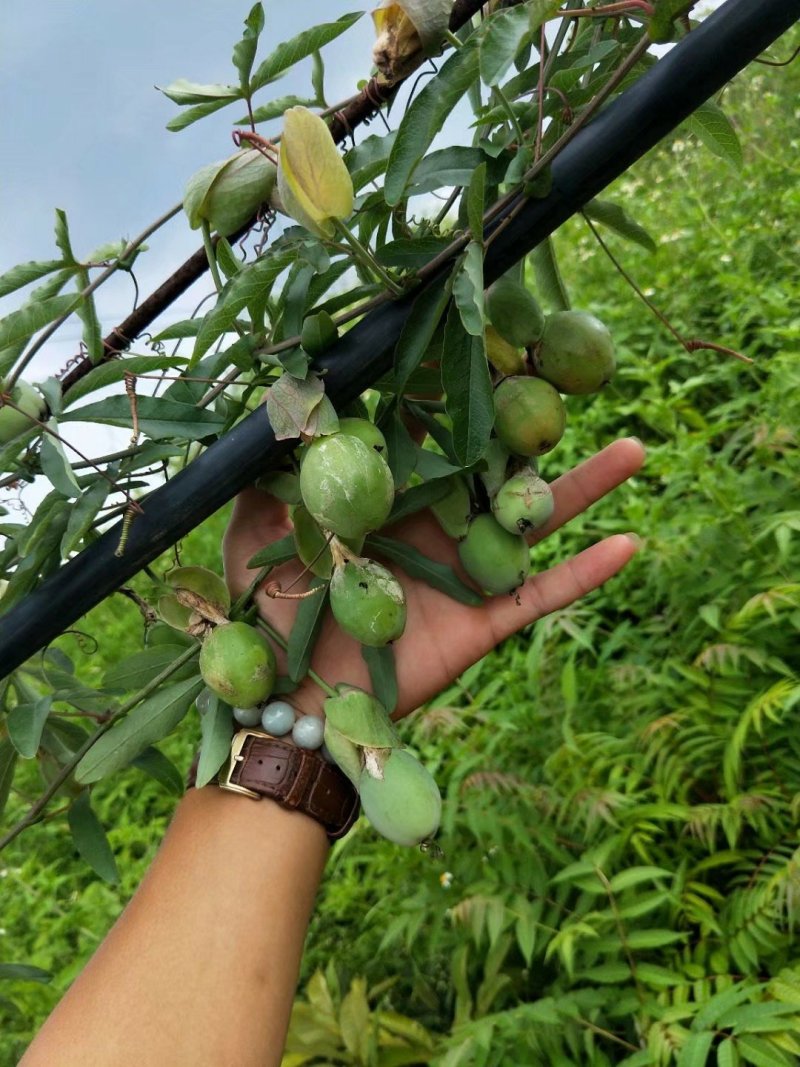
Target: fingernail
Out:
[639,442]
[636,539]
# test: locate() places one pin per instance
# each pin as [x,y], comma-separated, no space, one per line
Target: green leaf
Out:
[244,51]
[22,324]
[409,253]
[416,565]
[90,838]
[727,1056]
[25,273]
[216,724]
[84,512]
[251,283]
[92,332]
[425,117]
[417,333]
[453,166]
[401,452]
[194,114]
[275,108]
[468,387]
[505,34]
[468,291]
[62,236]
[147,723]
[382,674]
[9,355]
[318,78]
[158,417]
[417,497]
[23,972]
[305,630]
[763,1053]
[713,127]
[8,763]
[280,551]
[636,875]
[25,723]
[136,671]
[549,283]
[55,465]
[476,196]
[154,763]
[617,219]
[292,51]
[695,1051]
[183,92]
[115,371]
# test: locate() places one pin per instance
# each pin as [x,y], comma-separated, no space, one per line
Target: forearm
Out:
[202,965]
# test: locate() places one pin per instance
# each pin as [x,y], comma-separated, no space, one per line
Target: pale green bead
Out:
[308,731]
[277,718]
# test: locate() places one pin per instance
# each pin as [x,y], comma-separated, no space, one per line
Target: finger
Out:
[561,585]
[583,486]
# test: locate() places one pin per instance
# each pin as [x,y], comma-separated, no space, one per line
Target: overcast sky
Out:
[83,127]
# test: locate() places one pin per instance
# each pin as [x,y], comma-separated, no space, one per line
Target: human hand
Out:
[442,637]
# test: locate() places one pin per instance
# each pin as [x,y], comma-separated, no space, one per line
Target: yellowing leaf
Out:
[313,182]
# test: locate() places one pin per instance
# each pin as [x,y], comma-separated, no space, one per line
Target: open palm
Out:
[442,637]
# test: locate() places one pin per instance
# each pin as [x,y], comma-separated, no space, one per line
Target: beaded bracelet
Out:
[278,718]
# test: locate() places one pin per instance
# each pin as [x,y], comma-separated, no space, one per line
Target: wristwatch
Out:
[297,778]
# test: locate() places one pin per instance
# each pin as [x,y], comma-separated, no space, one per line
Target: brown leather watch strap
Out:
[297,778]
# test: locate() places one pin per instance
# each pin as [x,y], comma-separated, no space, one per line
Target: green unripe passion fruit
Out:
[346,486]
[31,405]
[529,415]
[199,580]
[498,561]
[514,312]
[368,602]
[405,805]
[311,543]
[365,431]
[525,502]
[452,512]
[576,353]
[238,664]
[504,357]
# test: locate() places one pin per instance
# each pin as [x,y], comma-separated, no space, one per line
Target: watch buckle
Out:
[235,758]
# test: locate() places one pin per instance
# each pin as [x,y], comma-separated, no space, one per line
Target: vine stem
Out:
[126,253]
[32,814]
[281,641]
[689,346]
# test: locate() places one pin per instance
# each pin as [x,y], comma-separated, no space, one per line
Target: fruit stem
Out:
[211,255]
[241,602]
[365,257]
[281,642]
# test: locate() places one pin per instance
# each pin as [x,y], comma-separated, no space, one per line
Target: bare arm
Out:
[202,966]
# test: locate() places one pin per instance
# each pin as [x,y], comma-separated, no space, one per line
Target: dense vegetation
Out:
[621,866]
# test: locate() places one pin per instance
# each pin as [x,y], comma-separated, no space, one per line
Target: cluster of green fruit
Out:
[345,491]
[536,358]
[238,665]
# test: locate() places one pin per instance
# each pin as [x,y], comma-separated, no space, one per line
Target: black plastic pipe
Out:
[700,65]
